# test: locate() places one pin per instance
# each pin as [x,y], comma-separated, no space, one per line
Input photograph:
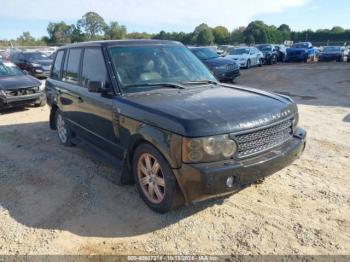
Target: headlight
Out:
[208,149]
[36,65]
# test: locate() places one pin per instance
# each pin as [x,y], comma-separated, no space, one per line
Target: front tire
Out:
[63,130]
[155,180]
[248,64]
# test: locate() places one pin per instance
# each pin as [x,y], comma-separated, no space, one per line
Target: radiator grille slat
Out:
[258,141]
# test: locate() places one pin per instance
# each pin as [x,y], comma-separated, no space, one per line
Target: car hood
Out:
[332,53]
[245,56]
[219,61]
[205,111]
[291,49]
[18,82]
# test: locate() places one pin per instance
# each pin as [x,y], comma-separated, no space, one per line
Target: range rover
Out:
[177,133]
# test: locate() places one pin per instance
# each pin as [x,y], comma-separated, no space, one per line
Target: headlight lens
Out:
[208,149]
[36,65]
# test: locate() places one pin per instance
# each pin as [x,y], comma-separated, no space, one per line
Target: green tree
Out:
[59,33]
[137,35]
[221,35]
[205,37]
[93,25]
[115,31]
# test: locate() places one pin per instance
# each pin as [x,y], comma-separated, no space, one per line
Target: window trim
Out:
[60,67]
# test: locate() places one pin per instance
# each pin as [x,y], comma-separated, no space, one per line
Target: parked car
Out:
[246,56]
[282,52]
[35,63]
[224,49]
[301,52]
[224,69]
[180,135]
[17,88]
[334,53]
[270,53]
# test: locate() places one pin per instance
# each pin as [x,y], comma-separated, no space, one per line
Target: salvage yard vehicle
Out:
[35,63]
[334,53]
[179,134]
[281,52]
[270,53]
[301,52]
[17,88]
[224,69]
[246,56]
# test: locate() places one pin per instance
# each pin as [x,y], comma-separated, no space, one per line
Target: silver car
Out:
[246,56]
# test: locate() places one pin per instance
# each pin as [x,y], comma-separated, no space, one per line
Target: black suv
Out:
[35,63]
[179,134]
[270,53]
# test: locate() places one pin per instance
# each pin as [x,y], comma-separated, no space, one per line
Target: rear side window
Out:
[71,72]
[94,67]
[56,69]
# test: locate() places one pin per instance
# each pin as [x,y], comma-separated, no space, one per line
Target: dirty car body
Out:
[215,138]
[17,88]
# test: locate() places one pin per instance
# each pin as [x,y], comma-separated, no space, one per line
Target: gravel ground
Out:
[57,200]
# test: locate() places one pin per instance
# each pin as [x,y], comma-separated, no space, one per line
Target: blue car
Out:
[301,52]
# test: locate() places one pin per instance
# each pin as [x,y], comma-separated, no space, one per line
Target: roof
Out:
[131,42]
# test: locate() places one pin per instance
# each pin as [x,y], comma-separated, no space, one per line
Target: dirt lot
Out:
[57,200]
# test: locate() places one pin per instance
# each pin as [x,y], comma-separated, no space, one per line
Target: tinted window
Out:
[72,63]
[56,69]
[94,67]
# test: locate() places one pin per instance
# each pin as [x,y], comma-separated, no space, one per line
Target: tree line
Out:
[93,27]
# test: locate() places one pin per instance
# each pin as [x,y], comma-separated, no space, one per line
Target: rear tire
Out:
[63,130]
[155,181]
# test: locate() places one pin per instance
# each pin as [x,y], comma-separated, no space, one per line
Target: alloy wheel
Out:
[61,129]
[150,178]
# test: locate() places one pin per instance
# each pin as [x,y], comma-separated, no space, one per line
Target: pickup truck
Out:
[178,134]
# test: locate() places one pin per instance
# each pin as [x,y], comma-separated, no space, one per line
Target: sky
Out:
[152,16]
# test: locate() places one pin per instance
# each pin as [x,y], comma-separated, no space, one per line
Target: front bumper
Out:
[14,101]
[326,58]
[203,181]
[228,76]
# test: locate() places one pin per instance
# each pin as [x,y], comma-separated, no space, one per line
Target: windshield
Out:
[239,51]
[264,47]
[332,49]
[9,69]
[139,66]
[35,56]
[301,45]
[204,53]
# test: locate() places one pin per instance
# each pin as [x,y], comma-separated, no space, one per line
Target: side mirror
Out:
[96,86]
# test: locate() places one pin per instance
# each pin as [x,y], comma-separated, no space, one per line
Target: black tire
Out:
[248,64]
[41,103]
[172,197]
[68,133]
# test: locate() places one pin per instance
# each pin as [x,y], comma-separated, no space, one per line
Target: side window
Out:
[94,67]
[72,64]
[56,69]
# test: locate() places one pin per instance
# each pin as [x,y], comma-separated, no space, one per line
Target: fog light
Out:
[229,181]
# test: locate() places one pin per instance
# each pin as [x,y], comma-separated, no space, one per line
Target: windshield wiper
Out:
[171,85]
[200,82]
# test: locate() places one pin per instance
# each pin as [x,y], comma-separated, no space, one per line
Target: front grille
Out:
[22,91]
[230,67]
[258,141]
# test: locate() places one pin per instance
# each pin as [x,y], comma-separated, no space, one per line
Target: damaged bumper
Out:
[203,181]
